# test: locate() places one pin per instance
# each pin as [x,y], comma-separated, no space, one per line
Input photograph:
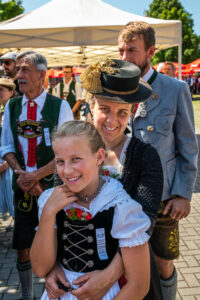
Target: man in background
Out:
[71,91]
[8,62]
[169,69]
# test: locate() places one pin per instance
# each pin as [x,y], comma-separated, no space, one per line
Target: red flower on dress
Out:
[78,214]
[106,172]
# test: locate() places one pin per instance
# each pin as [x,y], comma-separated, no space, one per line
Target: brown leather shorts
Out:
[165,237]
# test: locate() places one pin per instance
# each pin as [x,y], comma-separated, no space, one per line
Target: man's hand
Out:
[51,285]
[177,208]
[36,190]
[93,286]
[26,180]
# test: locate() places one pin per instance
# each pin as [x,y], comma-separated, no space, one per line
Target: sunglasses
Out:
[6,62]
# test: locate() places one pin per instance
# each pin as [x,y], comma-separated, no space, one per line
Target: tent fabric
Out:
[79,30]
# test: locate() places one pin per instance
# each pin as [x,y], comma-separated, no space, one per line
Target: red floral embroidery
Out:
[78,214]
[106,172]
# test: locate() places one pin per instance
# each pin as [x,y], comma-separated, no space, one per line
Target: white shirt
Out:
[130,223]
[148,75]
[78,90]
[7,141]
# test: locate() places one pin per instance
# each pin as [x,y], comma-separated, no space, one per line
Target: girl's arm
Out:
[43,252]
[44,248]
[137,269]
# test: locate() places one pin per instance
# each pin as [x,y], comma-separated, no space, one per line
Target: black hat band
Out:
[120,93]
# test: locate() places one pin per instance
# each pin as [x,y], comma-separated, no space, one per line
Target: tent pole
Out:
[180,53]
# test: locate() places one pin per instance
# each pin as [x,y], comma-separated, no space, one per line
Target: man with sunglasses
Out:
[8,62]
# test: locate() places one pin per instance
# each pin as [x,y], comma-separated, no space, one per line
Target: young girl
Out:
[85,221]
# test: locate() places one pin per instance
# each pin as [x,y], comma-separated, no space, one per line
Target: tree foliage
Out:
[10,9]
[173,10]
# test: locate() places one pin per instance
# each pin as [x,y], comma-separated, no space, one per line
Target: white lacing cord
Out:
[84,251]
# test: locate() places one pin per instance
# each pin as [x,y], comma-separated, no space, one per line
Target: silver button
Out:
[90,263]
[66,224]
[143,113]
[64,261]
[64,236]
[65,248]
[90,226]
[90,251]
[90,239]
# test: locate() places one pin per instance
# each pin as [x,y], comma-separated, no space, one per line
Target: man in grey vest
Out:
[26,145]
[165,121]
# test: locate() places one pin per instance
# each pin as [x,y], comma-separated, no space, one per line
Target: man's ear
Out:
[151,51]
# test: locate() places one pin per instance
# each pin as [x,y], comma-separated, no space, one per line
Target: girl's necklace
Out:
[86,198]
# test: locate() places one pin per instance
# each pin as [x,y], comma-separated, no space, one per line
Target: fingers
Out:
[81,279]
[19,172]
[167,209]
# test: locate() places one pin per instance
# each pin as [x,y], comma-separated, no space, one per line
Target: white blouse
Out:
[130,223]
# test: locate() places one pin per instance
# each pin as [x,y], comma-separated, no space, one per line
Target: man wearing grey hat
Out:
[8,62]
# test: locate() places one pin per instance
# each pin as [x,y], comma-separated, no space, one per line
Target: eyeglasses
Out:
[6,62]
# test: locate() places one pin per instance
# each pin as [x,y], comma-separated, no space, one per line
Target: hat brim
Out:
[143,92]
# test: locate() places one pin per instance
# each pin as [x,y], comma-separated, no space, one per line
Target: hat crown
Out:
[125,79]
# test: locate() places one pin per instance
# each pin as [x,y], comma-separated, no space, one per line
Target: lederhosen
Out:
[85,246]
[26,211]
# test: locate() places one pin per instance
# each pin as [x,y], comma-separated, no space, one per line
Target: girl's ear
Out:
[100,156]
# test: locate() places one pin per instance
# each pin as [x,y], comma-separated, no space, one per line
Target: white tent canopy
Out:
[78,31]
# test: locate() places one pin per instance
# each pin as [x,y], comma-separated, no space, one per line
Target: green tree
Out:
[173,10]
[10,9]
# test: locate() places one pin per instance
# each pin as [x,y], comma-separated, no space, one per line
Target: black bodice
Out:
[85,246]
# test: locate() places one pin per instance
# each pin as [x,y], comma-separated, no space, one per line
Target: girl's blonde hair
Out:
[80,129]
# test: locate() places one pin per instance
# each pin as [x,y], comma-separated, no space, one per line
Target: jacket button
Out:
[150,128]
[155,96]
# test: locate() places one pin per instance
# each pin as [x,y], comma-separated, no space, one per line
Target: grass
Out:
[196,106]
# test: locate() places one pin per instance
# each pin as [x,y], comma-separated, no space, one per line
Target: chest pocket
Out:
[164,124]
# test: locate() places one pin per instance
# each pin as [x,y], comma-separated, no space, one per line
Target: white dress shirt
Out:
[7,140]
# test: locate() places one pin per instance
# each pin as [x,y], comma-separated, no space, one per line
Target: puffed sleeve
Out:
[42,201]
[130,224]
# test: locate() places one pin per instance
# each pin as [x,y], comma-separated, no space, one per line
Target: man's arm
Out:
[3,167]
[186,157]
[186,146]
[27,180]
[76,106]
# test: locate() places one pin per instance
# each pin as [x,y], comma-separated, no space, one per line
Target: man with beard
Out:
[26,145]
[165,121]
[8,62]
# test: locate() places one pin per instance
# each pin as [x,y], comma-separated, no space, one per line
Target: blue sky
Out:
[134,6]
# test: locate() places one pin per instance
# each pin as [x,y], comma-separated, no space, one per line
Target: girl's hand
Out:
[60,198]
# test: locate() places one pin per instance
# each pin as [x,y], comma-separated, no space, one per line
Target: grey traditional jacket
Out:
[166,121]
